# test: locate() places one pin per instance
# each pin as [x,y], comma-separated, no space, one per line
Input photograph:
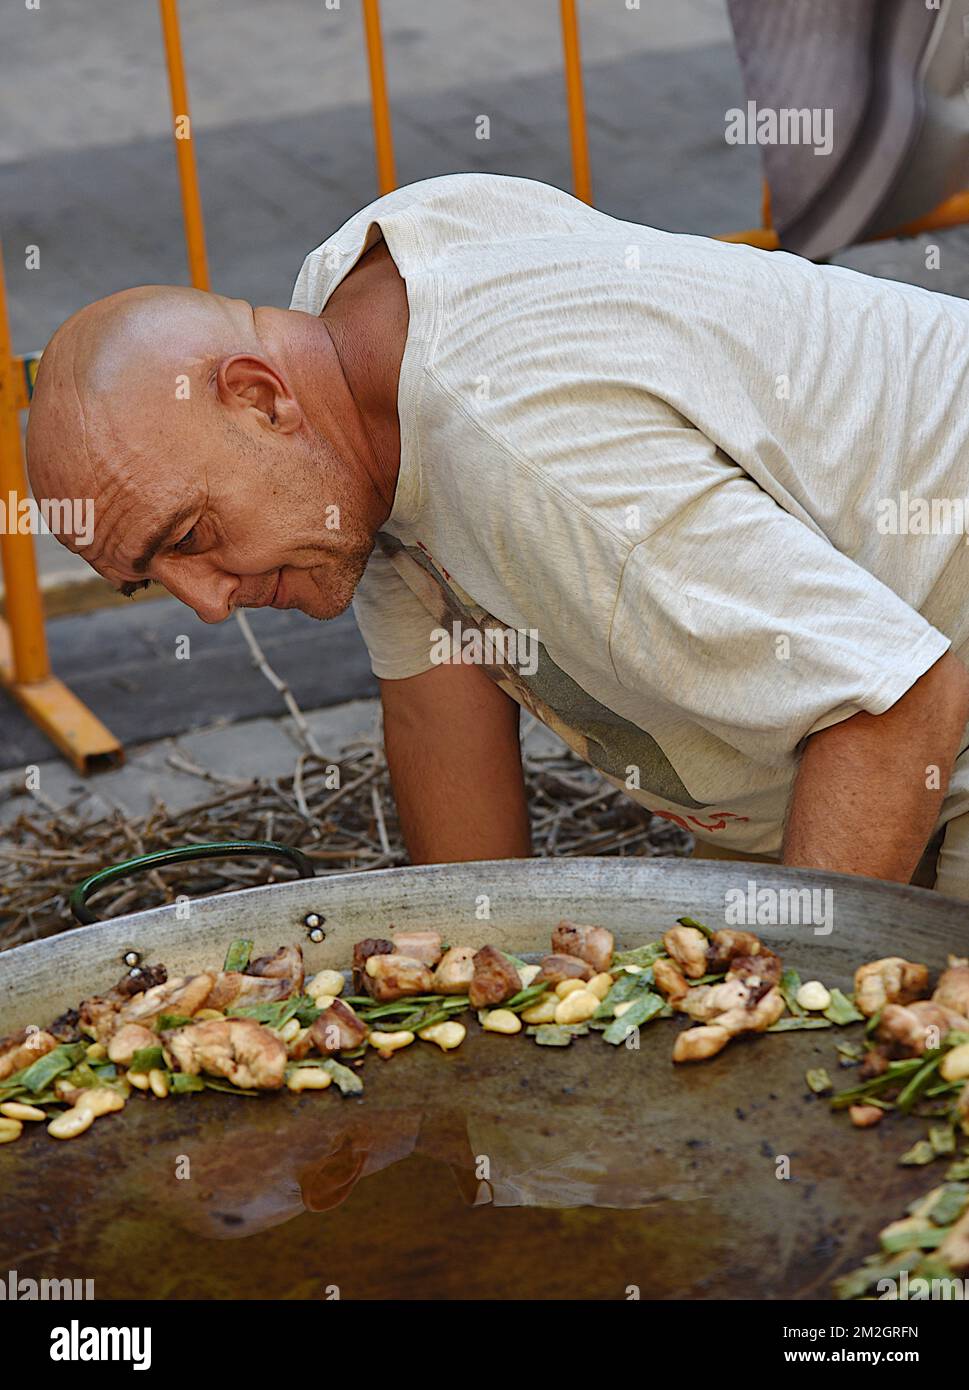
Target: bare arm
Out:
[865,799]
[452,745]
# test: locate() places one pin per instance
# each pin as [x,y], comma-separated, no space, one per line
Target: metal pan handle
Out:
[220,849]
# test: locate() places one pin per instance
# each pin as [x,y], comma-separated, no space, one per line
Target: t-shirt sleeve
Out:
[395,624]
[757,628]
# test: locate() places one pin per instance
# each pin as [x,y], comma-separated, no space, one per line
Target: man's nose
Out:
[209,593]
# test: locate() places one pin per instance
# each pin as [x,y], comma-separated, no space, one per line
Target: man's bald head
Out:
[182,416]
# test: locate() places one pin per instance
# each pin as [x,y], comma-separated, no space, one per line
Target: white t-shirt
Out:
[671,463]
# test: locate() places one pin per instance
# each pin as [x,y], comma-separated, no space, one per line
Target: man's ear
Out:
[244,382]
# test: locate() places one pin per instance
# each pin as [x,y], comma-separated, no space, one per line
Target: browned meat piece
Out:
[696,1044]
[555,969]
[338,1029]
[758,973]
[20,1049]
[594,945]
[419,945]
[240,1049]
[728,943]
[231,987]
[495,979]
[874,1063]
[688,947]
[183,995]
[98,1017]
[128,1040]
[670,981]
[953,987]
[389,977]
[893,980]
[455,971]
[911,1028]
[706,1002]
[362,951]
[66,1028]
[137,981]
[865,1116]
[284,964]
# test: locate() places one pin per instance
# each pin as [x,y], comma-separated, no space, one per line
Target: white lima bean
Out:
[577,1007]
[309,1079]
[86,1109]
[10,1130]
[600,985]
[447,1035]
[566,987]
[158,1082]
[289,1030]
[620,1009]
[138,1079]
[16,1110]
[328,982]
[813,996]
[387,1043]
[955,1064]
[501,1021]
[543,1010]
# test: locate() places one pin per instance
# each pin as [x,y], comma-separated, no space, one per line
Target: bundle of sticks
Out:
[343,821]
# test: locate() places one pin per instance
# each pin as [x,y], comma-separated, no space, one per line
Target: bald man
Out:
[655,489]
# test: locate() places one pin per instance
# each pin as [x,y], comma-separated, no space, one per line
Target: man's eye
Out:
[186,540]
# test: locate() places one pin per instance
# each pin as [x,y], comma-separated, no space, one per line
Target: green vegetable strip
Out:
[39,1075]
[841,1010]
[639,955]
[789,985]
[797,1025]
[147,1059]
[692,922]
[348,1081]
[625,988]
[640,1011]
[237,956]
[914,1088]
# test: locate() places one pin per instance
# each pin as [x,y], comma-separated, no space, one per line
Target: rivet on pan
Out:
[314,922]
[131,958]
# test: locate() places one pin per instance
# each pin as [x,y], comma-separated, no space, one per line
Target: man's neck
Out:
[367,319]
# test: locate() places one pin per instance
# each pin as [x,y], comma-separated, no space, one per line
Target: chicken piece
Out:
[953,987]
[183,995]
[362,951]
[495,979]
[20,1049]
[707,1002]
[955,1248]
[455,971]
[231,988]
[419,945]
[752,1017]
[728,943]
[389,977]
[594,945]
[98,1016]
[284,964]
[129,1039]
[337,1029]
[911,1028]
[688,947]
[697,1044]
[239,1049]
[137,981]
[670,981]
[66,1027]
[893,980]
[759,973]
[555,969]
[865,1116]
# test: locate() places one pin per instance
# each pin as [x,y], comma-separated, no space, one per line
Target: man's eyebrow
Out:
[158,538]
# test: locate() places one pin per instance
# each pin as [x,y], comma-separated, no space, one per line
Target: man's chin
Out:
[309,597]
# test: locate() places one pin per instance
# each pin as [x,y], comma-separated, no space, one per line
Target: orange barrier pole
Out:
[184,148]
[581,180]
[25,610]
[382,136]
[24,663]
